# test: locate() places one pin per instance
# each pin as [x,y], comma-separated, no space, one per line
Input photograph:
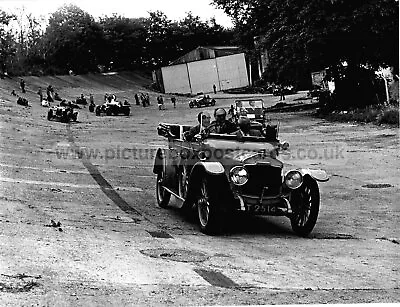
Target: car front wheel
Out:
[208,208]
[163,196]
[305,205]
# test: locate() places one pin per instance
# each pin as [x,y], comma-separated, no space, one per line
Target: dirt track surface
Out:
[86,230]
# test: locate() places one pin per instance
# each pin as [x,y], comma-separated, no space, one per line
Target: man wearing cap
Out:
[221,125]
[204,119]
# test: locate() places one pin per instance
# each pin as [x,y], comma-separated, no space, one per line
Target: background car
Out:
[251,108]
[62,113]
[113,109]
[203,101]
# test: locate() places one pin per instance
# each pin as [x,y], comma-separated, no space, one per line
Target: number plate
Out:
[260,209]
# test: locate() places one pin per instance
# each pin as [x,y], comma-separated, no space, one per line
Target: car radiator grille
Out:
[261,176]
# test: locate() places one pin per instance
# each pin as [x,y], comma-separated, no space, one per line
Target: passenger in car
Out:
[221,125]
[204,119]
[244,128]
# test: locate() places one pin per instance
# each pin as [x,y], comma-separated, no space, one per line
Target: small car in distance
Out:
[116,108]
[62,113]
[203,101]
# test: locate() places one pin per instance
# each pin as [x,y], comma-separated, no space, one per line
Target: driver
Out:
[204,119]
[221,125]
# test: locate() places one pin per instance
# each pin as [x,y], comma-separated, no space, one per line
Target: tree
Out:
[73,40]
[124,41]
[301,36]
[7,48]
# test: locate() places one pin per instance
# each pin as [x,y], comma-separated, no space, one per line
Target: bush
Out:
[389,115]
[371,114]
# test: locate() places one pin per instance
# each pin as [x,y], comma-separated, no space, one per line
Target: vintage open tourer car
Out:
[203,101]
[114,108]
[216,174]
[62,113]
[251,108]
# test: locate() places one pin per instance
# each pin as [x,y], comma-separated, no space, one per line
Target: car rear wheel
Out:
[207,207]
[163,196]
[305,205]
[64,117]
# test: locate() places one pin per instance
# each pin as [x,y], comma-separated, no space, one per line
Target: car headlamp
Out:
[239,175]
[293,179]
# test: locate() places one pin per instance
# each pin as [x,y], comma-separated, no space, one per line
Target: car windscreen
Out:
[249,104]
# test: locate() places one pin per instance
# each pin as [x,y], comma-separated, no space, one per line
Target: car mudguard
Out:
[158,160]
[164,156]
[201,169]
[316,174]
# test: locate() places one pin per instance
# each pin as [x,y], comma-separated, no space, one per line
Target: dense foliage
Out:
[303,36]
[74,40]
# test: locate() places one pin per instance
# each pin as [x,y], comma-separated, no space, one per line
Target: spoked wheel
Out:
[208,208]
[163,196]
[183,182]
[305,205]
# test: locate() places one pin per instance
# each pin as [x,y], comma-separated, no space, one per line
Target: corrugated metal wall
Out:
[203,74]
[176,79]
[232,71]
[225,72]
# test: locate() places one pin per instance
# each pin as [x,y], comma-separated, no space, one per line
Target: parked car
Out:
[62,113]
[217,174]
[113,109]
[203,101]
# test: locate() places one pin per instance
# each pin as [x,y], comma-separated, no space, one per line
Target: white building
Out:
[203,68]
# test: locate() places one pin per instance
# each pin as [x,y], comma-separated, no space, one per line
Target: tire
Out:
[75,117]
[163,196]
[127,112]
[209,206]
[109,112]
[213,102]
[183,182]
[49,114]
[305,203]
[64,117]
[98,111]
[191,105]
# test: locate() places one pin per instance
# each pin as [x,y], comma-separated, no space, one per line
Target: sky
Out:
[174,9]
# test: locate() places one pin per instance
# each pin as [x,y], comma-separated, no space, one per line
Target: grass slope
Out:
[124,85]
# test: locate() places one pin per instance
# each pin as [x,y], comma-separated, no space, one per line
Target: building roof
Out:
[206,52]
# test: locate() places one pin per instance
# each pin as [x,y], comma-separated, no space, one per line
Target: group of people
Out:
[143,99]
[221,125]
